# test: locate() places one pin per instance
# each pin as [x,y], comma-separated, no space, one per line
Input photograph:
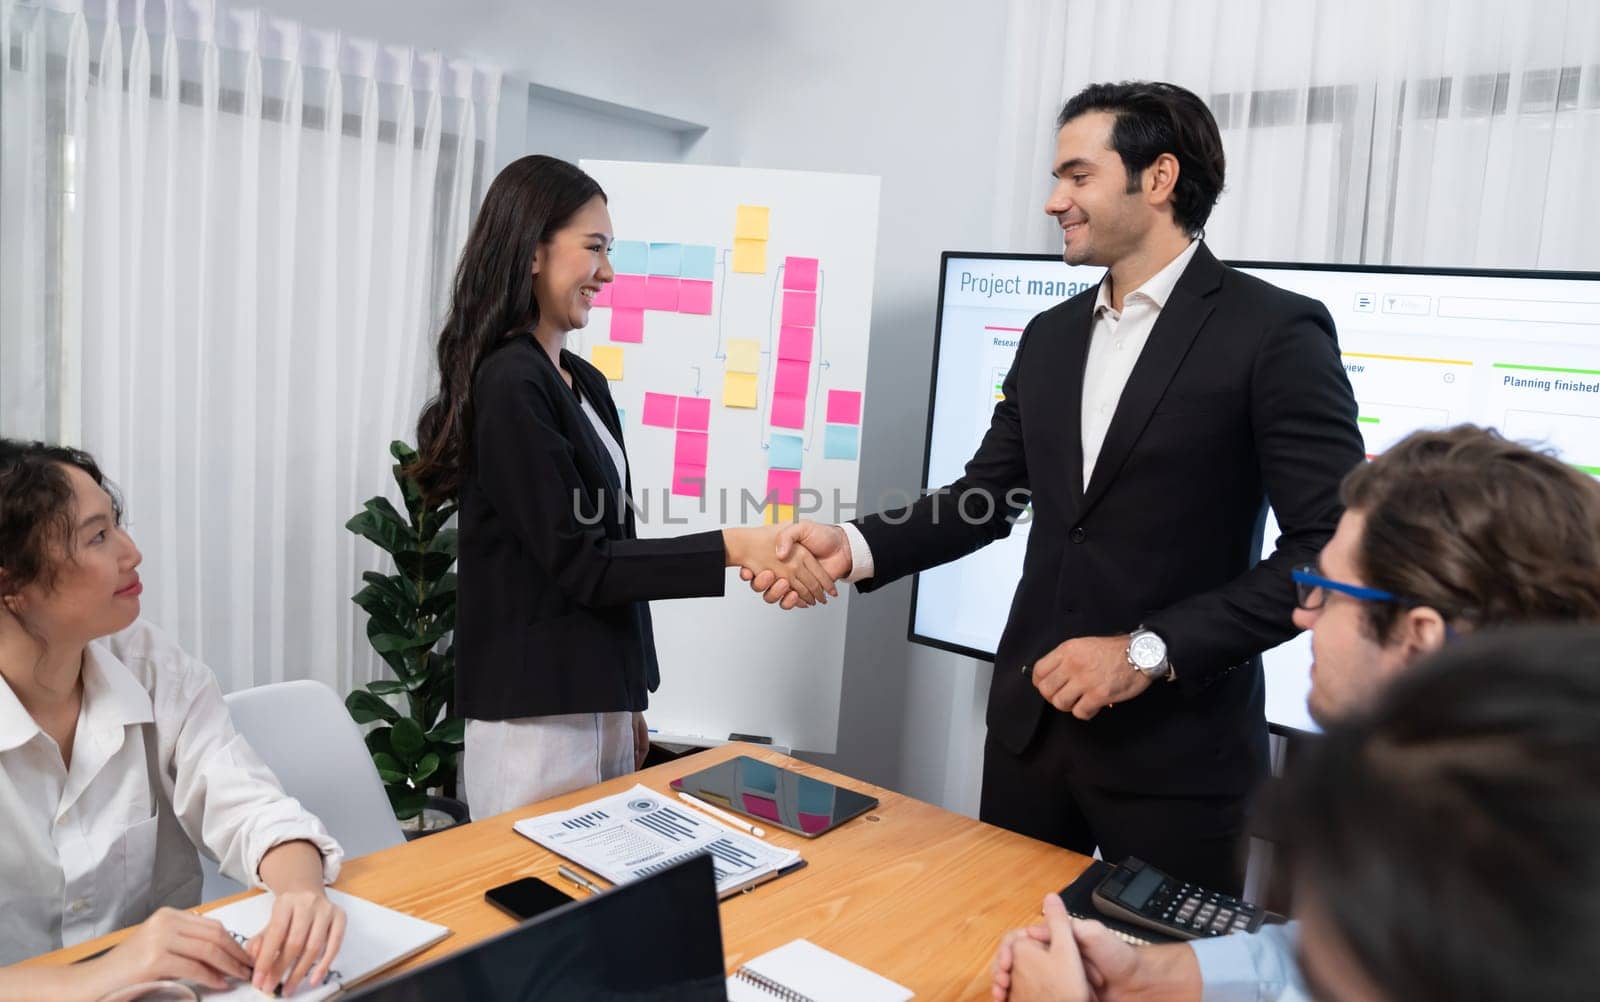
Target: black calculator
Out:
[1139,893]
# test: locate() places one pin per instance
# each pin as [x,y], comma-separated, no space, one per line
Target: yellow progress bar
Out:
[1407,358]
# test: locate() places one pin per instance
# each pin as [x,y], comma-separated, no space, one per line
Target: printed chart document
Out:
[802,971]
[375,937]
[634,834]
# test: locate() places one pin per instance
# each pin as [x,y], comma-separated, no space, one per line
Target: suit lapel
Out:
[1180,321]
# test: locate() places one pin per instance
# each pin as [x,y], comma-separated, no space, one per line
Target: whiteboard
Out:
[765,349]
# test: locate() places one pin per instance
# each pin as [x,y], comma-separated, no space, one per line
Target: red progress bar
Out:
[1017,330]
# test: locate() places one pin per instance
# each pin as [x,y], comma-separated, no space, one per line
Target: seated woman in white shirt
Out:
[118,759]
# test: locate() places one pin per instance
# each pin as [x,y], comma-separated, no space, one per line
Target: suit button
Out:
[1077,535]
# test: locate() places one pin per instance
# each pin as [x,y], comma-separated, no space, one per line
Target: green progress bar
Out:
[1368,420]
[1548,368]
[1593,471]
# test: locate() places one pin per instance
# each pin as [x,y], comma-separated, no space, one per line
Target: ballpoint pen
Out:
[577,878]
[722,815]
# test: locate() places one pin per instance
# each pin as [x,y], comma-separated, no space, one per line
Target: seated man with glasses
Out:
[1448,532]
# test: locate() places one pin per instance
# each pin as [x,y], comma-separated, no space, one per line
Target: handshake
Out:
[793,564]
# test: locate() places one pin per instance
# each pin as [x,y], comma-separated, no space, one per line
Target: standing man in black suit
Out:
[1152,420]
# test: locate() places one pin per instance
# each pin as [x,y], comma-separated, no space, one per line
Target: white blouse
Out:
[157,769]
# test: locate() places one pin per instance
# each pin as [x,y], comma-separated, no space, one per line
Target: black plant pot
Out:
[449,806]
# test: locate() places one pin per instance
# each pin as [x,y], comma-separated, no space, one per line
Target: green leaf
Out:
[388,643]
[451,730]
[403,453]
[417,565]
[379,531]
[389,768]
[426,767]
[365,708]
[407,803]
[386,687]
[444,541]
[408,741]
[380,605]
[377,740]
[380,508]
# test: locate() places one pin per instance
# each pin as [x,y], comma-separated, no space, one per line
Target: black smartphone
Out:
[525,898]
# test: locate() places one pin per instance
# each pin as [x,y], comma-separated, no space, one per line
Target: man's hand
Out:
[1087,674]
[826,543]
[1053,971]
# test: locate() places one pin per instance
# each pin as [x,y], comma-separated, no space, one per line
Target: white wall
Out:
[907,91]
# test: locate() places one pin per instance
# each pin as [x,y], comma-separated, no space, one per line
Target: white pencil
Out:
[719,813]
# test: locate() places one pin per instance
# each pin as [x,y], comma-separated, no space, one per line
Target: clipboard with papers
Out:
[634,834]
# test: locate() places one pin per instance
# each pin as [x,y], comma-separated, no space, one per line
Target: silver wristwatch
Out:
[1147,653]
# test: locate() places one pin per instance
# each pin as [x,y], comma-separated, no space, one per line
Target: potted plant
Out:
[410,616]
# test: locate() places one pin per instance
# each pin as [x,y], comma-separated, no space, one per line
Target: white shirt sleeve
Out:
[860,555]
[1251,966]
[224,796]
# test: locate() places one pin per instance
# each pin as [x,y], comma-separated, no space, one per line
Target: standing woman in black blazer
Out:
[554,650]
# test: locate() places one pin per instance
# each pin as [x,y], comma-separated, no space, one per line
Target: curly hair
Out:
[37,511]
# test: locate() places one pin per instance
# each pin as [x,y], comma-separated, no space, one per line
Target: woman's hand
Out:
[301,938]
[755,550]
[175,944]
[641,741]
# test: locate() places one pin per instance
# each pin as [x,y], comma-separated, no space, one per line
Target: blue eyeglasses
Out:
[1311,590]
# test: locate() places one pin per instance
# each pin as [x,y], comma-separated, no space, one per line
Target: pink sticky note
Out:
[627,324]
[844,407]
[694,296]
[660,410]
[788,410]
[628,291]
[691,449]
[688,480]
[795,343]
[791,377]
[603,297]
[783,484]
[800,273]
[661,293]
[694,413]
[800,308]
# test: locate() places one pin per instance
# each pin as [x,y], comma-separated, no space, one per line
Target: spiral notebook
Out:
[801,971]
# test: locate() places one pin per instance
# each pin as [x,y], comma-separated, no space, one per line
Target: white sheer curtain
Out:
[228,241]
[1418,132]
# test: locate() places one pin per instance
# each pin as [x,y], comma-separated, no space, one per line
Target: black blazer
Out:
[1239,398]
[552,581]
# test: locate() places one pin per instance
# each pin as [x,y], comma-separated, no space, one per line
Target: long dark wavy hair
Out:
[492,301]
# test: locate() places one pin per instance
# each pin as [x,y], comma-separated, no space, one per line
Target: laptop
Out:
[658,938]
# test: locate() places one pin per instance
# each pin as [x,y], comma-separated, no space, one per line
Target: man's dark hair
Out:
[1481,529]
[1157,118]
[1448,835]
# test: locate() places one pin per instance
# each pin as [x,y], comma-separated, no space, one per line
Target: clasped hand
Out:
[787,572]
[813,544]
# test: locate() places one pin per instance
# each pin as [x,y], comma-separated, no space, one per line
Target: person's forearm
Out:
[68,982]
[1167,973]
[291,866]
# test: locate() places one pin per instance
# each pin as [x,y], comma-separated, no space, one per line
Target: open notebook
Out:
[801,971]
[375,937]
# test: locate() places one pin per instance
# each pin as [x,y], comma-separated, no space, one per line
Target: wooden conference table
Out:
[912,891]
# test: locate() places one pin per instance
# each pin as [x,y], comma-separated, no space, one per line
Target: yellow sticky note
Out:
[608,359]
[744,356]
[750,222]
[739,389]
[779,513]
[750,256]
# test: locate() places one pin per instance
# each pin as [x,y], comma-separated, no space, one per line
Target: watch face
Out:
[1147,651]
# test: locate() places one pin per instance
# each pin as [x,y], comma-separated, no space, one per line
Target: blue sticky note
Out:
[666,260]
[842,442]
[699,262]
[630,257]
[787,452]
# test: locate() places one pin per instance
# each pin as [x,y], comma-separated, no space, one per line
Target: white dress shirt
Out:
[1115,343]
[157,769]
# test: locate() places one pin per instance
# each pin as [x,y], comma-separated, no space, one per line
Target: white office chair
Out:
[305,735]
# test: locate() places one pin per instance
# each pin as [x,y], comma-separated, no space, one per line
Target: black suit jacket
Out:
[1239,398]
[552,582]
